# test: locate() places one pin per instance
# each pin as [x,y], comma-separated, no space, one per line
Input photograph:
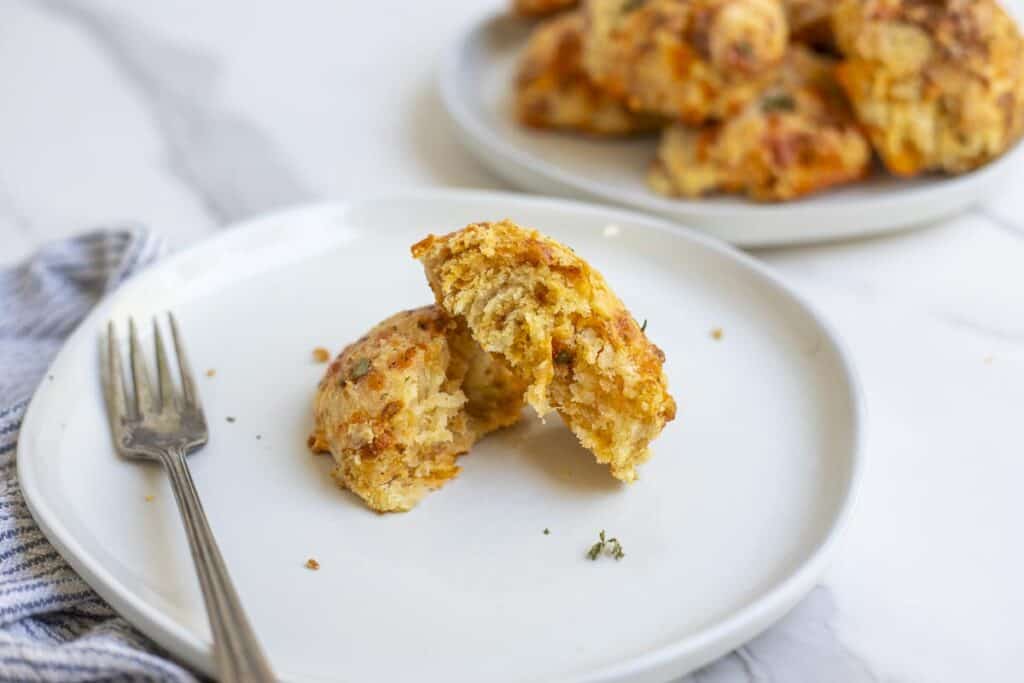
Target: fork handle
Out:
[236,651]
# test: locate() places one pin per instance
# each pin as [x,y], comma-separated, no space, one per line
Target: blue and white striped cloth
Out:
[53,627]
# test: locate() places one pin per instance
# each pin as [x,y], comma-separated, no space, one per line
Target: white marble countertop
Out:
[188,115]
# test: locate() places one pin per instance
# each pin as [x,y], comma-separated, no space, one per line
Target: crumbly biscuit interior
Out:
[554,320]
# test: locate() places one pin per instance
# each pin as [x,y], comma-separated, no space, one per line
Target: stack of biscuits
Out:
[778,99]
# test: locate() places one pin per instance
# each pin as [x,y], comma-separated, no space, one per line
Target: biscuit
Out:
[939,86]
[561,329]
[797,138]
[689,59]
[397,407]
[552,90]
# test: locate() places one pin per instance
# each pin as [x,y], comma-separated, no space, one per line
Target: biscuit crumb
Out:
[988,360]
[211,372]
[716,334]
[321,355]
[312,564]
[316,445]
[149,499]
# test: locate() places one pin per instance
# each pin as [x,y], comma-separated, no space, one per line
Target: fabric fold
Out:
[53,627]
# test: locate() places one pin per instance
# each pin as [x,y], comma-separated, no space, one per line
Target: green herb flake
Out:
[360,369]
[631,5]
[643,328]
[563,357]
[607,546]
[547,532]
[744,49]
[778,102]
[230,419]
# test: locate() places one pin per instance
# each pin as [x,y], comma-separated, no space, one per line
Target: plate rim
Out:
[476,136]
[746,622]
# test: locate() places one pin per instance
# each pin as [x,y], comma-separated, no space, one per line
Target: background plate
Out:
[729,525]
[476,89]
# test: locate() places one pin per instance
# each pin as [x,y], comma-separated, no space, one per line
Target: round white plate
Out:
[476,89]
[730,523]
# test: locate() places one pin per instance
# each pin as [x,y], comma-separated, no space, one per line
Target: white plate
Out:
[729,525]
[475,87]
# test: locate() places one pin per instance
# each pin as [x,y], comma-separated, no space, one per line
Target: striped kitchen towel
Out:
[52,626]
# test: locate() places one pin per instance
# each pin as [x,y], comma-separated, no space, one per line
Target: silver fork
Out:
[165,427]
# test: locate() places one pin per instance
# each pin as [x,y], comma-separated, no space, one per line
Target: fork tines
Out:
[143,400]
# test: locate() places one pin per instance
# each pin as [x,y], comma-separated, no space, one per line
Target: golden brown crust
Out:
[938,84]
[541,8]
[553,90]
[689,59]
[554,319]
[799,137]
[810,22]
[398,406]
